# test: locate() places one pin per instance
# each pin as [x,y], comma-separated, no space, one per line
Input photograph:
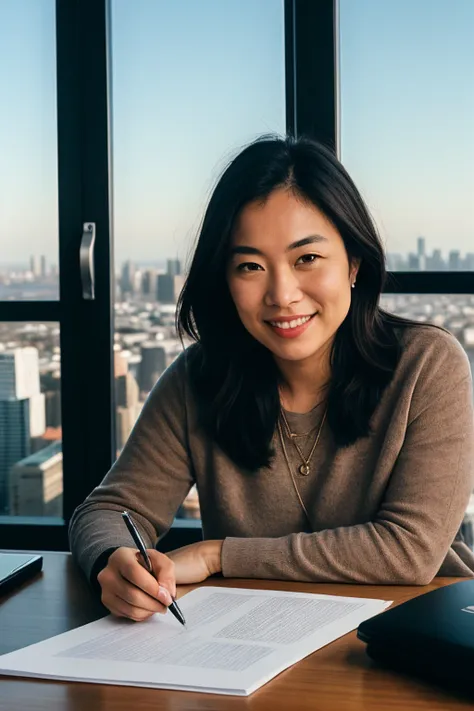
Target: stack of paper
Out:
[234,642]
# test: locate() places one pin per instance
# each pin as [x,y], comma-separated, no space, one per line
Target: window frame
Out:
[84,170]
[83,195]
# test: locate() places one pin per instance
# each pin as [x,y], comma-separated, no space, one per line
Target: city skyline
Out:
[145,344]
[47,267]
[405,117]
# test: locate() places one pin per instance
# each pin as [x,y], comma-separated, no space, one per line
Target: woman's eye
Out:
[248,267]
[307,259]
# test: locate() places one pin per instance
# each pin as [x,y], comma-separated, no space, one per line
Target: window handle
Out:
[86,260]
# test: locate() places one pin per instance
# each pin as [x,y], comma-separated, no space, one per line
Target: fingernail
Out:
[164,596]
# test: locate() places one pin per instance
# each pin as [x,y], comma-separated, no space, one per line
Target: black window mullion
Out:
[314,30]
[86,328]
[30,311]
[430,283]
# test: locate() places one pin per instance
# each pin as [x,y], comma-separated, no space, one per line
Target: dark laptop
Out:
[15,568]
[431,635]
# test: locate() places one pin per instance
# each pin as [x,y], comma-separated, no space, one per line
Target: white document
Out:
[234,642]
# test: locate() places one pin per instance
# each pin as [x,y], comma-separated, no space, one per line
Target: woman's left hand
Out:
[197,561]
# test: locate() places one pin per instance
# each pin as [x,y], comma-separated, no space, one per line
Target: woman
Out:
[330,441]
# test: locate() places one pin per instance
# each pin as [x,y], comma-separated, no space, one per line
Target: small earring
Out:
[353,284]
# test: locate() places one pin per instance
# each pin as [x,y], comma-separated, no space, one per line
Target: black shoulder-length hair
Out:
[235,379]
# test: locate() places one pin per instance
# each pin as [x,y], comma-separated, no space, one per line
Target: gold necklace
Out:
[291,473]
[304,467]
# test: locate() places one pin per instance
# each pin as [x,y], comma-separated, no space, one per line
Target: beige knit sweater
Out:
[387,509]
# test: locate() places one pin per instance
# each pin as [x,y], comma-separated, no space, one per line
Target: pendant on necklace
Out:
[303,469]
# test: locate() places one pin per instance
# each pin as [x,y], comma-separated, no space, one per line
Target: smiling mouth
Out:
[289,325]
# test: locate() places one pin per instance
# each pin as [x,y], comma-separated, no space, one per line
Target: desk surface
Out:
[339,677]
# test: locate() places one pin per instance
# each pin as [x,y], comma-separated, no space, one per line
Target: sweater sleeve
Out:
[423,507]
[151,477]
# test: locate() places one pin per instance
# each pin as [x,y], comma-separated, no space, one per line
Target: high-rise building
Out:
[173,267]
[413,262]
[469,262]
[51,387]
[437,263]
[165,291]
[36,483]
[126,391]
[178,285]
[127,278]
[169,288]
[22,411]
[53,408]
[120,362]
[127,407]
[35,266]
[454,260]
[152,365]
[43,267]
[421,246]
[149,283]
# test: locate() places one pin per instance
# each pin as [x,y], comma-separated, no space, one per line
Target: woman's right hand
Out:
[129,590]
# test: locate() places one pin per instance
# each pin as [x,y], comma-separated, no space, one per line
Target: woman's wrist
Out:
[212,553]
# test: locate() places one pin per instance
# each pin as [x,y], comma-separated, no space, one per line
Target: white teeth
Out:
[290,324]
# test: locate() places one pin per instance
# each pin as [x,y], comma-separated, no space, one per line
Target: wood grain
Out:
[339,677]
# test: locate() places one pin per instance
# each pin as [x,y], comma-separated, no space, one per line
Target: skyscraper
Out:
[421,251]
[173,267]
[165,291]
[151,366]
[35,266]
[22,411]
[36,483]
[127,407]
[437,263]
[127,278]
[169,288]
[149,282]
[454,262]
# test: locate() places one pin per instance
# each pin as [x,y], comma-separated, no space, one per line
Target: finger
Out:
[137,598]
[132,571]
[163,568]
[121,608]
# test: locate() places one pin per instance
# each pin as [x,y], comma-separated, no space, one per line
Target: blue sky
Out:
[194,81]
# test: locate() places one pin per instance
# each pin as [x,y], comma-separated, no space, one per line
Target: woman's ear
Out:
[354,270]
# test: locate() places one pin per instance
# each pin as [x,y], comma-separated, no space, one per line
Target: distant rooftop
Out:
[42,456]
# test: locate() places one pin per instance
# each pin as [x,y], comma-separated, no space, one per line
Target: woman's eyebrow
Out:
[244,249]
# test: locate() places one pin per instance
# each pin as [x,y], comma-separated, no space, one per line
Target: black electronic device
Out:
[15,568]
[431,635]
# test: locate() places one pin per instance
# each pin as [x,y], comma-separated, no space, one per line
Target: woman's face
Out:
[289,276]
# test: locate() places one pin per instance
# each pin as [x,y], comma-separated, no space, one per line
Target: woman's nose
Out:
[283,289]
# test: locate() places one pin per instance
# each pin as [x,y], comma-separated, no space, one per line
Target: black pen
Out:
[138,540]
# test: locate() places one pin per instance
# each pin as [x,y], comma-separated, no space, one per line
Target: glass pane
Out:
[31,460]
[456,313]
[452,311]
[28,147]
[192,83]
[407,125]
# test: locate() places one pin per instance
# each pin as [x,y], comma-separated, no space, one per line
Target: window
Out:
[455,312]
[31,471]
[192,82]
[406,125]
[28,175]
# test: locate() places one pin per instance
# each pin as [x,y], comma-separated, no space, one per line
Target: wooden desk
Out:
[339,677]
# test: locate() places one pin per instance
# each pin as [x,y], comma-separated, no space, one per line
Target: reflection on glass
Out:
[192,83]
[406,125]
[28,147]
[31,468]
